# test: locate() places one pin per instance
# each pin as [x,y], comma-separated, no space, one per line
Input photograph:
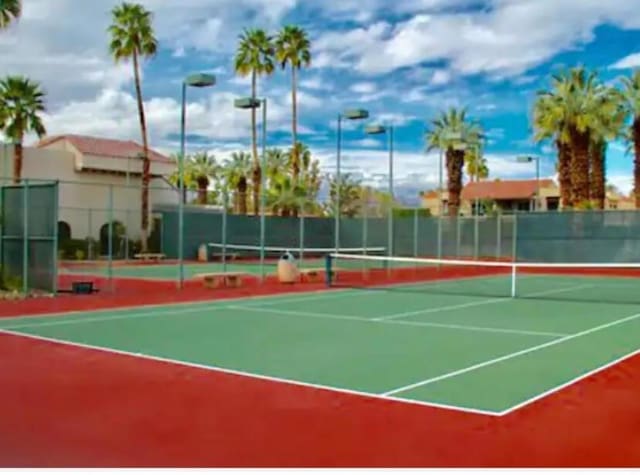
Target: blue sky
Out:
[404,61]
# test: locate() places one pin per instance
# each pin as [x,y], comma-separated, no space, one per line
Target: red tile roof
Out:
[432,194]
[503,189]
[105,147]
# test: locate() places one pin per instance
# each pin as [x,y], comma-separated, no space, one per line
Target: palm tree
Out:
[10,11]
[293,48]
[477,167]
[21,102]
[254,58]
[607,126]
[350,196]
[189,177]
[287,195]
[277,162]
[631,94]
[576,102]
[310,172]
[204,168]
[453,133]
[549,124]
[237,171]
[132,37]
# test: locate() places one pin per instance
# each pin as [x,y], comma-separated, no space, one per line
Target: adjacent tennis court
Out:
[459,342]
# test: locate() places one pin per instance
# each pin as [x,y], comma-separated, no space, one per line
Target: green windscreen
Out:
[28,236]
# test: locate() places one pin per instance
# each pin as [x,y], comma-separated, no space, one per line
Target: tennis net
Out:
[252,253]
[607,283]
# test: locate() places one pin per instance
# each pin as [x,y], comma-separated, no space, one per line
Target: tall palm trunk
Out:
[564,173]
[257,172]
[580,142]
[598,177]
[203,185]
[242,196]
[146,164]
[295,155]
[455,163]
[636,160]
[295,150]
[18,153]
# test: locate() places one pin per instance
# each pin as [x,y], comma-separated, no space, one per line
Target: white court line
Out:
[478,303]
[252,375]
[297,313]
[484,364]
[575,380]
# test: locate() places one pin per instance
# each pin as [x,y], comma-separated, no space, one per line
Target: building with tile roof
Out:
[96,174]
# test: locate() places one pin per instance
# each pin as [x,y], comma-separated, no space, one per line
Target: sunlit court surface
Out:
[463,349]
[320,234]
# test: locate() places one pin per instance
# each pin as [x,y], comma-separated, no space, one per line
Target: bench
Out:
[215,280]
[314,274]
[149,256]
[229,256]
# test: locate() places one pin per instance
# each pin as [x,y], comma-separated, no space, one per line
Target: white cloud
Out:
[478,41]
[628,62]
[440,78]
[364,87]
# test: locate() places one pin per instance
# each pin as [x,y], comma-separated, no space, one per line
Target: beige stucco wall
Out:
[84,198]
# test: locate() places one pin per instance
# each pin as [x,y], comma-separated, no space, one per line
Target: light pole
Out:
[199,81]
[389,130]
[249,103]
[536,159]
[352,114]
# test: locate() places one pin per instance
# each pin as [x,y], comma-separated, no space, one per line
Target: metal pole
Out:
[338,185]
[415,232]
[514,244]
[110,239]
[499,238]
[390,242]
[440,206]
[224,231]
[55,239]
[183,124]
[538,206]
[263,184]
[476,224]
[25,240]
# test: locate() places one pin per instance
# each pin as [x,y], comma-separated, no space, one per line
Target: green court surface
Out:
[170,271]
[424,344]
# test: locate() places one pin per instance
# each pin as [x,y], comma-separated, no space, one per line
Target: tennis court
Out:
[461,342]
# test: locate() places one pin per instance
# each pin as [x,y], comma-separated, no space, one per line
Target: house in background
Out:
[100,180]
[506,196]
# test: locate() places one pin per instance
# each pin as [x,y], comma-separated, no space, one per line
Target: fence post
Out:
[224,231]
[301,221]
[415,232]
[110,239]
[499,238]
[514,253]
[459,222]
[25,234]
[476,236]
[55,238]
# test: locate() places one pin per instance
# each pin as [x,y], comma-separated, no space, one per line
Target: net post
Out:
[25,241]
[328,269]
[513,280]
